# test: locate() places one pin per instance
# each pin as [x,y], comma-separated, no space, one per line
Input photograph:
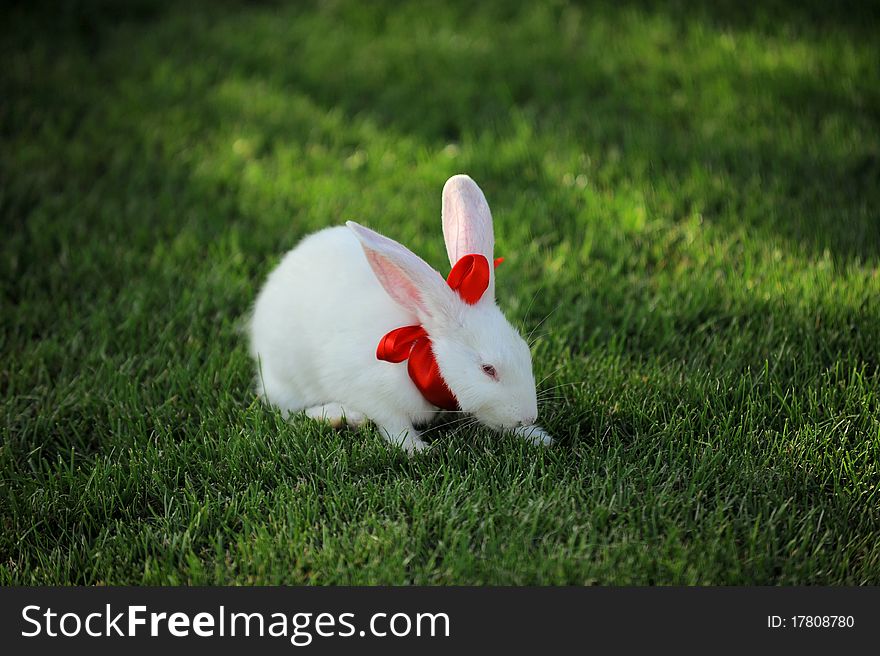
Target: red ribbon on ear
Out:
[470,278]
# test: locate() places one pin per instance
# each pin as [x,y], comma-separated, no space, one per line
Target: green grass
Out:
[692,187]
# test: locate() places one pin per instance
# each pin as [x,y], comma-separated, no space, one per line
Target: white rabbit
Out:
[323,311]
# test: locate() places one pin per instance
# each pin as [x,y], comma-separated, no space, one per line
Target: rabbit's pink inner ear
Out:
[395,281]
[467,221]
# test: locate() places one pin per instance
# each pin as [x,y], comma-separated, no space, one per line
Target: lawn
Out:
[686,195]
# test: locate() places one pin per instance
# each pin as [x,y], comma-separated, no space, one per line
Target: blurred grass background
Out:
[688,193]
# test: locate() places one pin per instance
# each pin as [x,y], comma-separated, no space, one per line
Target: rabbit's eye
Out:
[489,370]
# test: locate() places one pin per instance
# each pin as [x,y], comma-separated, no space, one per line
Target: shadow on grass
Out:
[769,153]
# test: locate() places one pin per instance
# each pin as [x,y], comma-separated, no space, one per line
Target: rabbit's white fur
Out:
[322,312]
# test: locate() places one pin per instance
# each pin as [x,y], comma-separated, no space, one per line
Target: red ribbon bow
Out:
[470,278]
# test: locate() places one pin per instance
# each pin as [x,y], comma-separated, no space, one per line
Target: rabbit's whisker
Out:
[550,374]
[452,422]
[541,334]
[441,426]
[547,316]
[462,427]
[529,309]
[556,387]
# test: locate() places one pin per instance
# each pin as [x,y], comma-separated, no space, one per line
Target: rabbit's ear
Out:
[406,277]
[467,221]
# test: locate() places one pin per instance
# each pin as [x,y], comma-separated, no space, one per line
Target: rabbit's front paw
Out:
[413,445]
[534,434]
[405,436]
